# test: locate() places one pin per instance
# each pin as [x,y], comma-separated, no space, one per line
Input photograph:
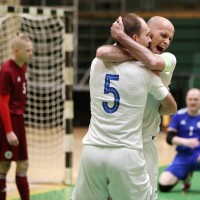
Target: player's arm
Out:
[160,92]
[113,53]
[168,105]
[5,116]
[5,113]
[141,53]
[172,138]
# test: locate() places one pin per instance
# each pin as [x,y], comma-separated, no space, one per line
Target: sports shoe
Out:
[186,186]
[187,183]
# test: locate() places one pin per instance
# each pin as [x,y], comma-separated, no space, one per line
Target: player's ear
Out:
[135,37]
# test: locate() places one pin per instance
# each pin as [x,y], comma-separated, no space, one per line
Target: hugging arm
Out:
[141,53]
[168,105]
[113,53]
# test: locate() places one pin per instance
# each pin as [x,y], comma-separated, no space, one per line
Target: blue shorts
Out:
[183,164]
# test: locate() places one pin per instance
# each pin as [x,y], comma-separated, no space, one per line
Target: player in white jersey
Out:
[162,32]
[112,161]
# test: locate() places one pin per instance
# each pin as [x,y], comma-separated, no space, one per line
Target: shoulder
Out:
[96,63]
[168,55]
[6,67]
[179,114]
[170,61]
[95,60]
[182,111]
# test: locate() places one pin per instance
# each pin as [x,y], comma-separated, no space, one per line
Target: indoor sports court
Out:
[41,191]
[66,35]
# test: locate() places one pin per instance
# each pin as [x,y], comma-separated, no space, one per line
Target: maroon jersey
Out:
[13,83]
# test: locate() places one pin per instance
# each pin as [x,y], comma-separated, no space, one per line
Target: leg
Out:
[177,170]
[92,181]
[195,167]
[167,181]
[187,182]
[151,157]
[4,167]
[21,179]
[127,174]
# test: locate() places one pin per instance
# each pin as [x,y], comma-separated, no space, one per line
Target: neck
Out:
[19,63]
[193,113]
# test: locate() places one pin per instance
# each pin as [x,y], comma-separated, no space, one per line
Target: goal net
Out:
[44,116]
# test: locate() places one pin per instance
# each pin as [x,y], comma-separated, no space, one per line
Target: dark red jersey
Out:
[13,83]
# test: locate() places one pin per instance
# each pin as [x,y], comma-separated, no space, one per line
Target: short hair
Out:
[132,24]
[18,38]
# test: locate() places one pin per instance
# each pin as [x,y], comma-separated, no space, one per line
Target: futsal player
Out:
[112,161]
[13,90]
[184,132]
[161,32]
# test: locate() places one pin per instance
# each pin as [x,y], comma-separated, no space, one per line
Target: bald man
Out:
[12,107]
[183,131]
[161,32]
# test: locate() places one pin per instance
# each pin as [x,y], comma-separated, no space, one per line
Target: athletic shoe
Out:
[186,186]
[187,183]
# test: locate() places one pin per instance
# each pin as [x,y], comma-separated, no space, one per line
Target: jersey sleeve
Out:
[5,112]
[5,82]
[156,86]
[166,74]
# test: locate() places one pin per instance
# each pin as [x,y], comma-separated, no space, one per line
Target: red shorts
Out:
[13,153]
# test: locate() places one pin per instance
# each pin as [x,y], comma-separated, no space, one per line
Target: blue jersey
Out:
[186,126]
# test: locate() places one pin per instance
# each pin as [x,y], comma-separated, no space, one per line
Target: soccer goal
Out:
[49,109]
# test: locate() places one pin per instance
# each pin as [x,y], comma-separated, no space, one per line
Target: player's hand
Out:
[192,142]
[117,28]
[12,138]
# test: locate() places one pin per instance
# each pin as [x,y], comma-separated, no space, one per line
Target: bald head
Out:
[18,40]
[22,49]
[158,21]
[162,33]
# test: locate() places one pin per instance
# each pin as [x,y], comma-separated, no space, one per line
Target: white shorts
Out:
[151,156]
[116,172]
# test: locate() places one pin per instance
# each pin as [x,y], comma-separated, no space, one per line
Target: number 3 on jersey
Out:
[108,89]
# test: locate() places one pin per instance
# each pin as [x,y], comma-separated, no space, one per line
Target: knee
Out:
[22,166]
[165,188]
[4,167]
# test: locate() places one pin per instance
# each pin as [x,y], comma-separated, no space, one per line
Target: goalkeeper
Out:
[13,89]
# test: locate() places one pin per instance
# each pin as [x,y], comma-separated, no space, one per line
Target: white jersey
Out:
[118,98]
[151,124]
[152,120]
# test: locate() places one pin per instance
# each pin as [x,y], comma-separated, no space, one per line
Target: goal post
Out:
[49,109]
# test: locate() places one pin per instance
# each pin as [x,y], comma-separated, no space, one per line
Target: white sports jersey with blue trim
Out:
[118,98]
[151,120]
